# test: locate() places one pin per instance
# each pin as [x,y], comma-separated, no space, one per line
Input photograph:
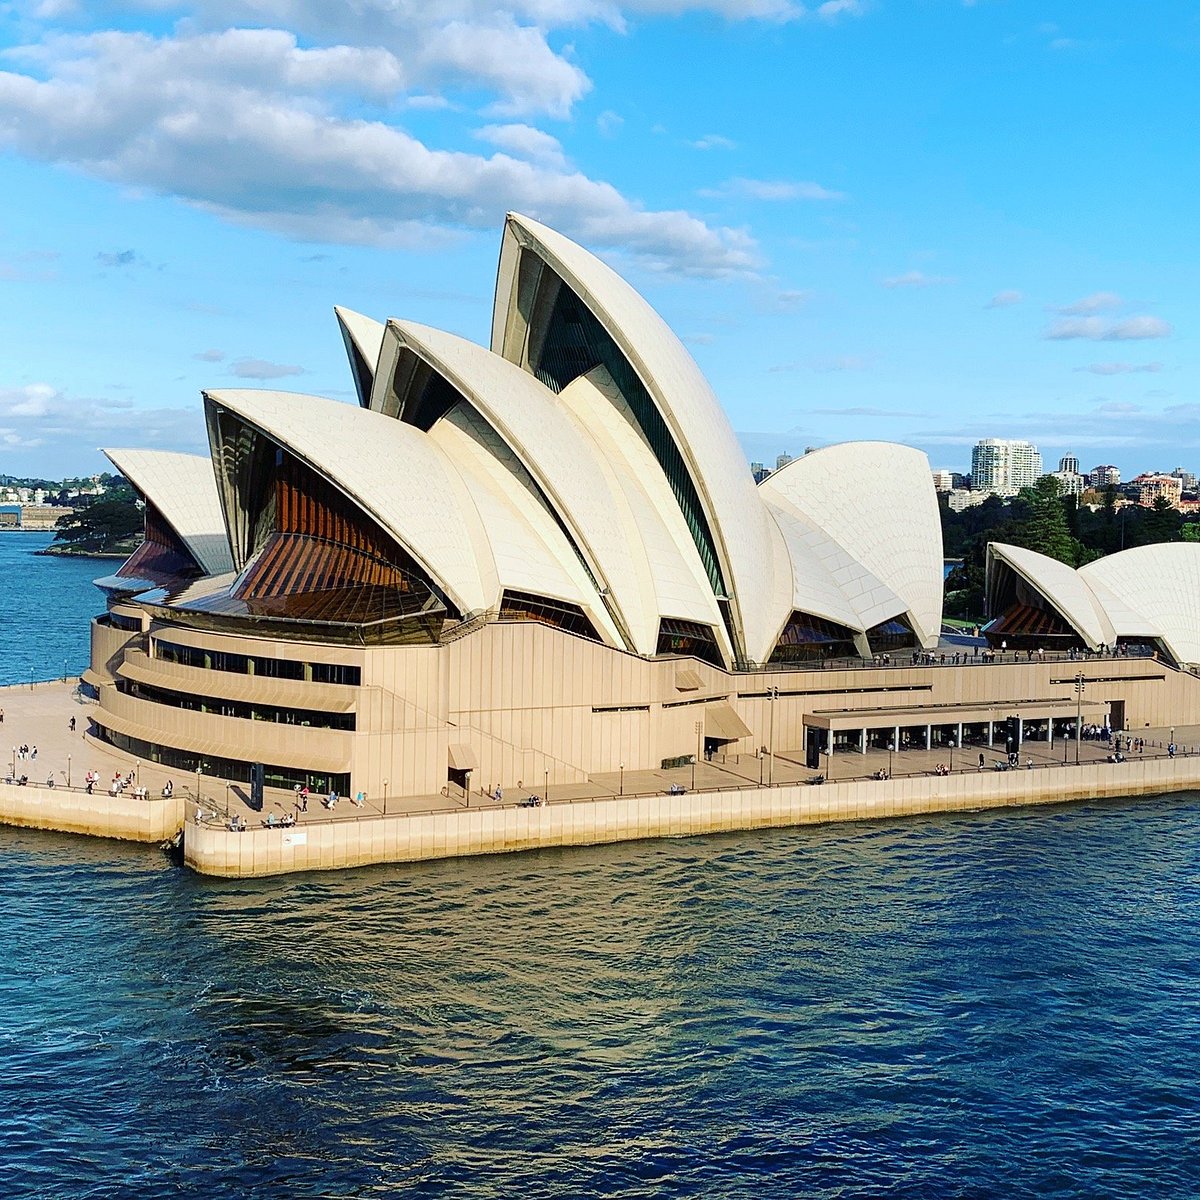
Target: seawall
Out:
[72,810]
[212,849]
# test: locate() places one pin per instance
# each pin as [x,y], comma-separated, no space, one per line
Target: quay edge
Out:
[211,849]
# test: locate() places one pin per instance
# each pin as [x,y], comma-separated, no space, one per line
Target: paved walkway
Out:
[40,716]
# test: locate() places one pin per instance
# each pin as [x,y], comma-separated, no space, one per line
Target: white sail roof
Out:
[364,335]
[748,543]
[875,500]
[1161,584]
[394,472]
[1063,587]
[184,491]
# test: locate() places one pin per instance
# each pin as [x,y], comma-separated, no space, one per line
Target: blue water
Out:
[45,606]
[1003,1004]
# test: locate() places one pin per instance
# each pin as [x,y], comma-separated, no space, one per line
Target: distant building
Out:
[1150,487]
[782,461]
[961,498]
[1105,477]
[759,472]
[42,516]
[1186,478]
[1070,481]
[943,480]
[1004,467]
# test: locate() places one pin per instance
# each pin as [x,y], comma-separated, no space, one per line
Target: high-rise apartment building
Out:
[943,480]
[1003,466]
[1107,476]
[1070,482]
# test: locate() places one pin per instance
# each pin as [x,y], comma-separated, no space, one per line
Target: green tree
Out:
[1161,523]
[1041,523]
[103,526]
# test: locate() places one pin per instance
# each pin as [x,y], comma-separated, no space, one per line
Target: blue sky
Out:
[922,220]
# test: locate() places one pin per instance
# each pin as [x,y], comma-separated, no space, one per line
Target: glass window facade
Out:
[688,637]
[244,709]
[520,606]
[253,664]
[806,638]
[227,768]
[888,636]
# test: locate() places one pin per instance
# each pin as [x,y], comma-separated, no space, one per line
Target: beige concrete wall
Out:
[100,815]
[532,701]
[213,850]
[256,741]
[108,646]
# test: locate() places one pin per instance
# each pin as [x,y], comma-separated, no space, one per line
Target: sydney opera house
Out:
[533,561]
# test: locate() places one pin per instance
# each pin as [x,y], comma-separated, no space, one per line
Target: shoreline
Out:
[211,848]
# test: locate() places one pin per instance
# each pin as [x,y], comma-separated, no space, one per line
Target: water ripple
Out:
[995,1004]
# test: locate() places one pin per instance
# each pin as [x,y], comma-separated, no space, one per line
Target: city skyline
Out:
[985,246]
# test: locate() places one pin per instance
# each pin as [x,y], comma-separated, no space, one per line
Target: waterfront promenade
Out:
[724,793]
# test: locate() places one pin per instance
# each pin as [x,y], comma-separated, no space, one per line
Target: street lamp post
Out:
[68,770]
[622,770]
[952,752]
[772,696]
[198,796]
[385,788]
[699,750]
[891,752]
[1079,686]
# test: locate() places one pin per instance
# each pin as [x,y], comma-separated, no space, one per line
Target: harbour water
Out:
[45,606]
[1000,1004]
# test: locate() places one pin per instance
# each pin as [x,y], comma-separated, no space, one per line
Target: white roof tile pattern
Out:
[554,449]
[677,576]
[1161,584]
[748,543]
[394,472]
[826,581]
[531,552]
[875,500]
[184,490]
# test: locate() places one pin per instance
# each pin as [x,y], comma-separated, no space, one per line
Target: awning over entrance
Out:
[949,714]
[722,724]
[462,757]
[687,681]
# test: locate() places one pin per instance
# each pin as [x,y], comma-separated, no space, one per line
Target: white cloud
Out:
[1121,368]
[832,9]
[1103,329]
[210,356]
[713,141]
[1005,299]
[260,368]
[1097,302]
[208,119]
[526,142]
[772,189]
[916,279]
[71,427]
[609,123]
